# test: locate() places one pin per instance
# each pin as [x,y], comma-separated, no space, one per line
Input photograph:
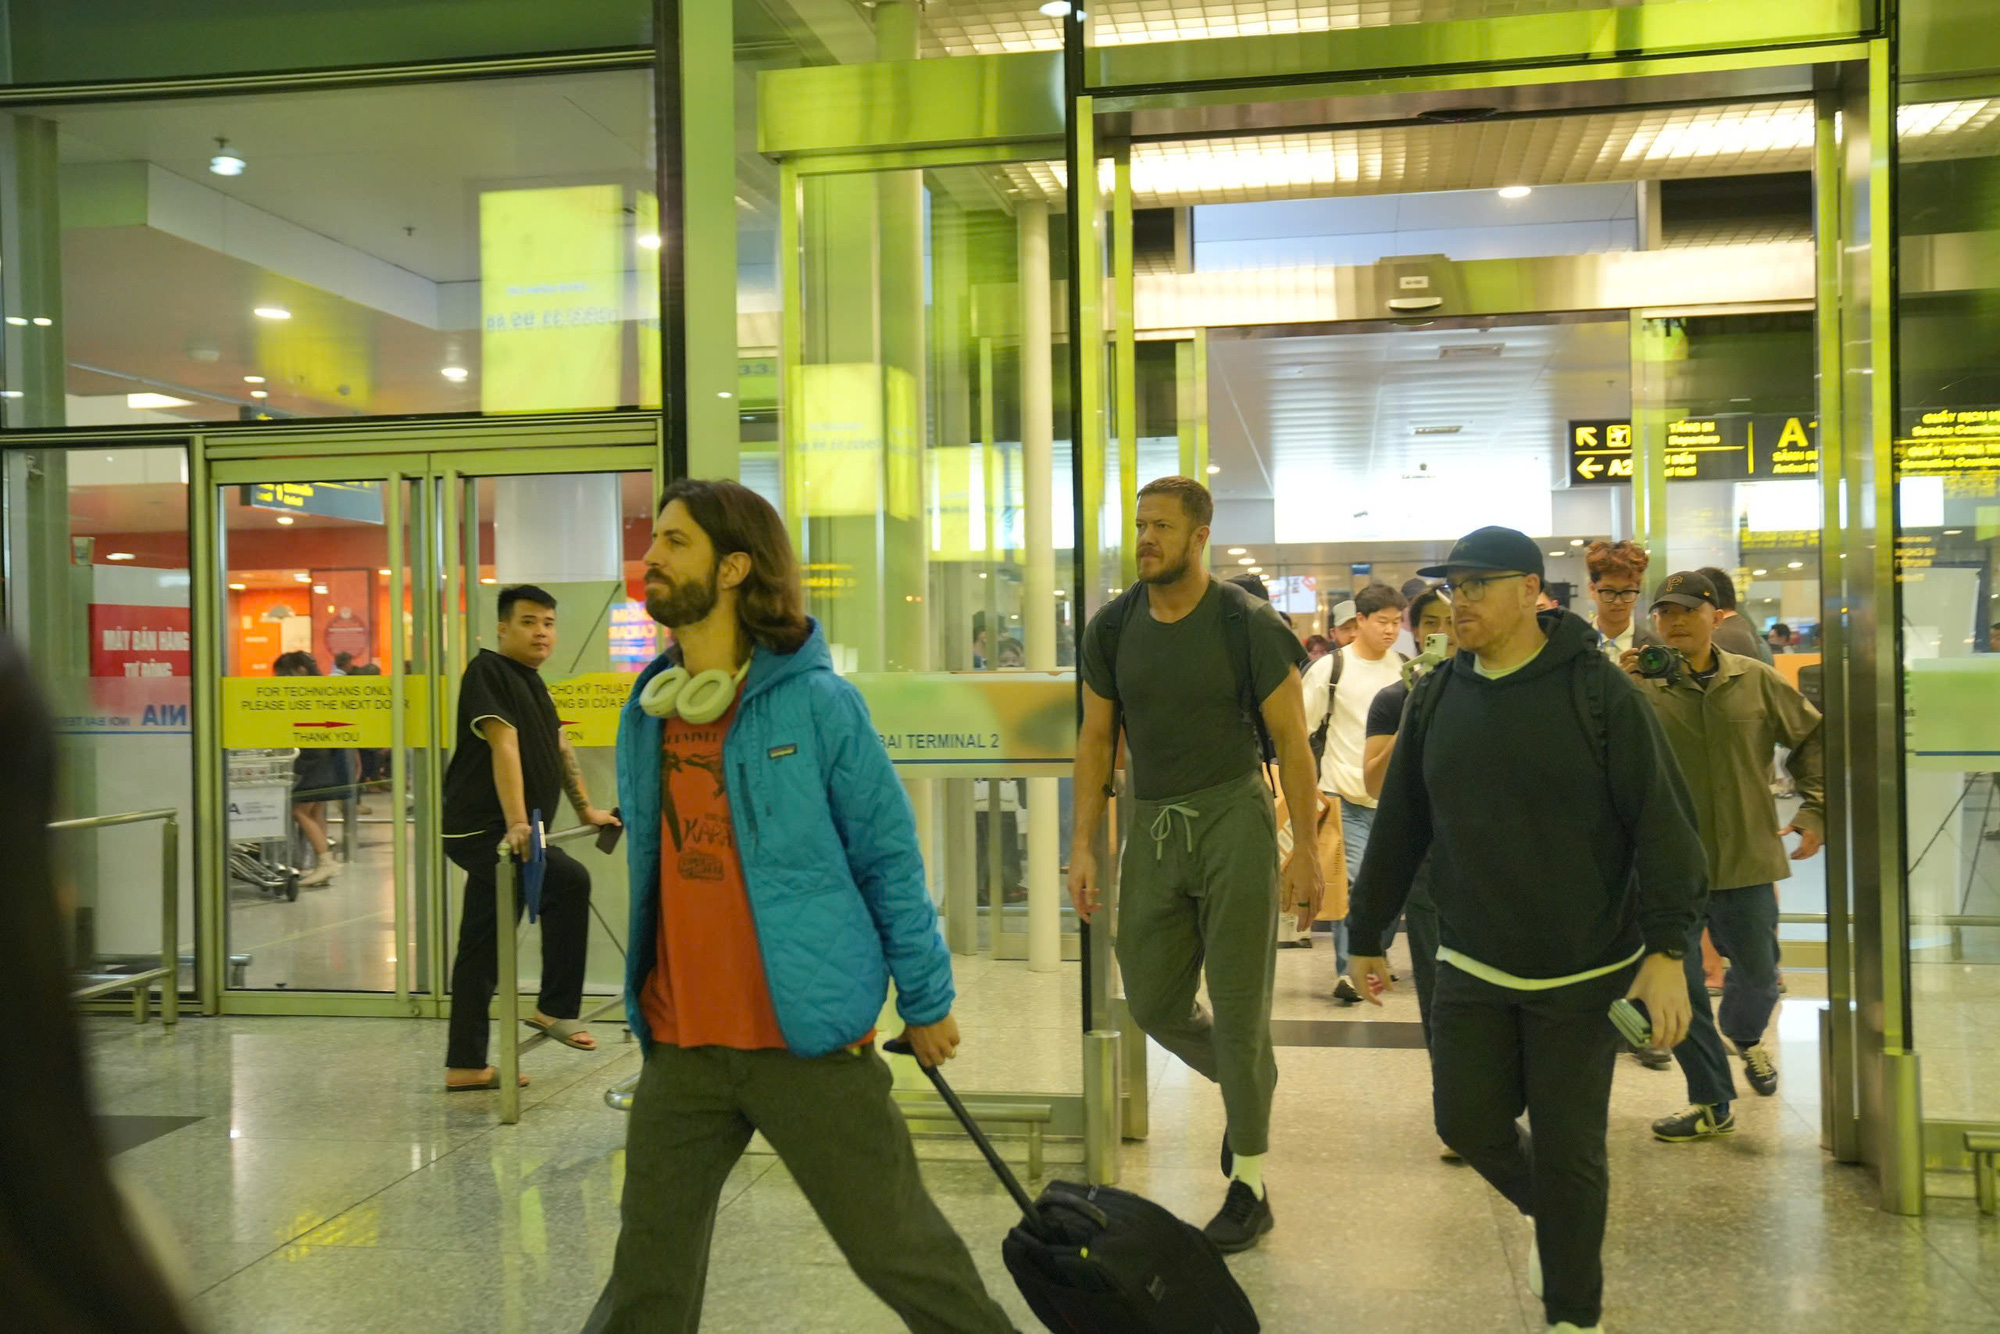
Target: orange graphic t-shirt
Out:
[708,987]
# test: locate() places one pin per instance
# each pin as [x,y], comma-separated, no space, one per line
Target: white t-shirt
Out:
[1346,740]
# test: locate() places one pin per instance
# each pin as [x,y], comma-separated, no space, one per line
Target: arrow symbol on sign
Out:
[322,724]
[1590,468]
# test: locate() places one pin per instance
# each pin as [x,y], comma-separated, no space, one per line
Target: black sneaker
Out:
[1694,1122]
[1653,1058]
[1302,943]
[1344,992]
[1760,1069]
[1243,1219]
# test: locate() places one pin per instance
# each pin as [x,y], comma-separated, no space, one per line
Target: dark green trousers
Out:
[844,1142]
[1198,893]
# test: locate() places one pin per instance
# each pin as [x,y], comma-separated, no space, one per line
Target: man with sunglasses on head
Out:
[1528,728]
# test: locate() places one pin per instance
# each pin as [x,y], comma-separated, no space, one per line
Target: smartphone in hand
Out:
[1630,1019]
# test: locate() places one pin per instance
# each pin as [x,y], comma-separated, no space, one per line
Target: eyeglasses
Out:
[1616,594]
[1474,590]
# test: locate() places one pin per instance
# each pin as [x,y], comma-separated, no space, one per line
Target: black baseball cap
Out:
[1493,548]
[1688,588]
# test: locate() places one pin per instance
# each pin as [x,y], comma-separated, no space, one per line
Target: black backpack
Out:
[1237,608]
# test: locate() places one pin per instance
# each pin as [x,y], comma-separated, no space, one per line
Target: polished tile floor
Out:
[319,1181]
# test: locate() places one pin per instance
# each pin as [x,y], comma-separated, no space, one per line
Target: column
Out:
[1039,587]
[708,147]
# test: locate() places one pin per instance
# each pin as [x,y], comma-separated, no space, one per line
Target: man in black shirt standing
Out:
[1530,728]
[510,762]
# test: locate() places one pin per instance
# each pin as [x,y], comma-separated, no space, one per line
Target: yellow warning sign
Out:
[319,712]
[589,706]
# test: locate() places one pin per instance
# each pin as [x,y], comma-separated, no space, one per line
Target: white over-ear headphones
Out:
[697,699]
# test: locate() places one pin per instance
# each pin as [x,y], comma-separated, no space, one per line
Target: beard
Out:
[675,605]
[1171,571]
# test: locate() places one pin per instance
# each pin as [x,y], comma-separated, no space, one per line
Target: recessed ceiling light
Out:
[495,581]
[253,379]
[1056,9]
[1256,569]
[286,520]
[1214,468]
[1515,191]
[140,402]
[260,393]
[1795,565]
[1576,541]
[272,313]
[303,578]
[649,240]
[455,374]
[237,588]
[225,162]
[724,393]
[1238,551]
[1757,573]
[120,555]
[1558,553]
[320,589]
[1247,560]
[18,321]
[381,572]
[1953,532]
[13,393]
[42,321]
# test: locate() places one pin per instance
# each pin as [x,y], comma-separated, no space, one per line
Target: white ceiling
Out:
[1324,427]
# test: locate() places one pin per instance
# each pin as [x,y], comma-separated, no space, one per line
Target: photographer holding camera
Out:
[1724,714]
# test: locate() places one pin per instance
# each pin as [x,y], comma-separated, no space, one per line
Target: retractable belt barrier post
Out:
[168,974]
[506,888]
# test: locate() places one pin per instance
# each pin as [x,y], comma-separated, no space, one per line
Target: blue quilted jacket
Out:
[829,849]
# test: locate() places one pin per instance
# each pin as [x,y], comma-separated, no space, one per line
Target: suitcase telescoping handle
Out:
[900,1046]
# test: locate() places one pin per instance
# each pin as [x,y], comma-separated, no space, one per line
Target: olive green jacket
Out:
[1724,738]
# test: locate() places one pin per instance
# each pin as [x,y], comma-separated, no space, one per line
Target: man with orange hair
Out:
[1617,573]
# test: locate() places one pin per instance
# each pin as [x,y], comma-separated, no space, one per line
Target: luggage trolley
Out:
[260,821]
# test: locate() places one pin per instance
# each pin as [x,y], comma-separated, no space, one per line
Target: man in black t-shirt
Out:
[509,763]
[1199,884]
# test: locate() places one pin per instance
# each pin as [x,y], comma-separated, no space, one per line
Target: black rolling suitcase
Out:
[1097,1260]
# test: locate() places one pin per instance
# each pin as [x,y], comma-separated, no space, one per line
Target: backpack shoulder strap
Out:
[1237,609]
[1112,627]
[1592,710]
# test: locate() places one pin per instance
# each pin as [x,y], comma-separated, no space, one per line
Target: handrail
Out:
[1933,919]
[509,967]
[168,974]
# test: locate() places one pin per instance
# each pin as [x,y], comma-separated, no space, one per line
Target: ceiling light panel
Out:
[1605,148]
[966,27]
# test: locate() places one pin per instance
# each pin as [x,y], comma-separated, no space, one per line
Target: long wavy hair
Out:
[771,601]
[69,1263]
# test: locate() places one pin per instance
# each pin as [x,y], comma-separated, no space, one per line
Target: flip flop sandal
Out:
[565,1031]
[492,1083]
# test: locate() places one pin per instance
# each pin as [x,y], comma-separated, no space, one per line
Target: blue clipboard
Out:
[534,867]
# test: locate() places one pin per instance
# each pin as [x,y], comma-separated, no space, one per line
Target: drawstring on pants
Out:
[1163,827]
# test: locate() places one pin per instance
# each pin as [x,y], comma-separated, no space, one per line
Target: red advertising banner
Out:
[139,641]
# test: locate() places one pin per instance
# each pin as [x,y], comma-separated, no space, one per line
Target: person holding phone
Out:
[1526,729]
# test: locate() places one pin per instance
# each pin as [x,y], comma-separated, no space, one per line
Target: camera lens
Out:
[1655,661]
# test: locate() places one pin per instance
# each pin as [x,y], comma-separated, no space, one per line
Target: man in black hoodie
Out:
[1527,729]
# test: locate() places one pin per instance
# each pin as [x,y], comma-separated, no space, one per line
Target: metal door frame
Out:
[441,459]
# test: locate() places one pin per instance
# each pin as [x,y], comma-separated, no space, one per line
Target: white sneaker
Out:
[318,876]
[1565,1327]
[1534,1257]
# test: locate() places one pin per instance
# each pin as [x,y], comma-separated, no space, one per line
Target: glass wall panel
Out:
[1948,569]
[97,597]
[927,478]
[467,247]
[1730,400]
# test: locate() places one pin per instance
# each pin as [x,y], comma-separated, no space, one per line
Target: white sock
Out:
[1249,1170]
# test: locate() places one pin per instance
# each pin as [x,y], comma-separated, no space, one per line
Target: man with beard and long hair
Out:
[1197,673]
[777,887]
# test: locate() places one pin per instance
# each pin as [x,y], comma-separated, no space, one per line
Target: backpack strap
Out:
[1110,626]
[1593,713]
[1318,741]
[1236,613]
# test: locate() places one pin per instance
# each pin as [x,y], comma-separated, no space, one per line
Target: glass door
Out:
[352,592]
